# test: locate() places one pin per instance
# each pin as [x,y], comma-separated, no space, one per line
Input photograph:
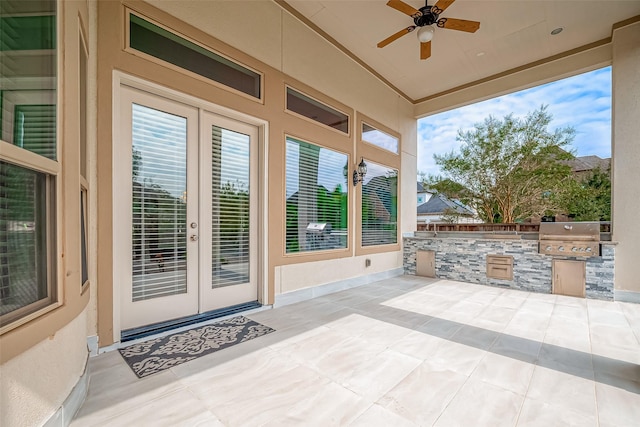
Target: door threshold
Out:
[157,328]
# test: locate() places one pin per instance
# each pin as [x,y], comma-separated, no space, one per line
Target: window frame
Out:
[52,300]
[83,132]
[332,253]
[53,169]
[385,158]
[127,48]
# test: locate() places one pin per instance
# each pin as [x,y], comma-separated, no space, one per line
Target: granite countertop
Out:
[466,235]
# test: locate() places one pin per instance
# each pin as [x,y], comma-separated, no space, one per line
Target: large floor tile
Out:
[377,416]
[481,404]
[475,337]
[180,408]
[494,318]
[618,401]
[457,357]
[329,405]
[506,372]
[342,362]
[560,388]
[515,347]
[423,394]
[108,399]
[535,413]
[304,347]
[374,377]
[418,344]
[566,360]
[264,400]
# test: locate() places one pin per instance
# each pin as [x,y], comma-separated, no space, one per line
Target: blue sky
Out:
[582,101]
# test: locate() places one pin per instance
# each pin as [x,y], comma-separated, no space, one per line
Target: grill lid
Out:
[587,230]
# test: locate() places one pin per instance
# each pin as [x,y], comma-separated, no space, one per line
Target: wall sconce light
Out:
[359,173]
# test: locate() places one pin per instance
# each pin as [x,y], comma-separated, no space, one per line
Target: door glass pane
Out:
[229,207]
[159,203]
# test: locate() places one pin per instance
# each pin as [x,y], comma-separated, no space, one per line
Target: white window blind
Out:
[35,129]
[379,205]
[230,219]
[159,203]
[316,198]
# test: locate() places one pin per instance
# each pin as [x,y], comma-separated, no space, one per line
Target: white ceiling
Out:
[512,33]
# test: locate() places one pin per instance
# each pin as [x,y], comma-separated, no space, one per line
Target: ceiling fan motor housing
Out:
[427,17]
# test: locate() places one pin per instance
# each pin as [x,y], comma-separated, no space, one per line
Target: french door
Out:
[185,210]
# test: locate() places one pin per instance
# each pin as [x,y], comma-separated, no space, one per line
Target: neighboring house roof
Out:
[379,193]
[294,197]
[440,204]
[423,189]
[587,163]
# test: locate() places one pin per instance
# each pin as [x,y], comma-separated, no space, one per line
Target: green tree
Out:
[509,169]
[589,198]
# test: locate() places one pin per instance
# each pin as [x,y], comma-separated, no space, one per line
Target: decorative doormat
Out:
[158,354]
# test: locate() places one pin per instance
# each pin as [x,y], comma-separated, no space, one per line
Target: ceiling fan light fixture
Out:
[425,34]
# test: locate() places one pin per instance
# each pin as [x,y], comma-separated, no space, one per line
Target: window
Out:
[83,56]
[28,166]
[316,198]
[379,205]
[25,275]
[153,40]
[379,138]
[305,106]
[82,92]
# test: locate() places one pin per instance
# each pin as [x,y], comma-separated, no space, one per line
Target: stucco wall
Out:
[281,41]
[35,384]
[625,156]
[298,276]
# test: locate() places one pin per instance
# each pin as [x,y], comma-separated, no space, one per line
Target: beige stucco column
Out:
[626,160]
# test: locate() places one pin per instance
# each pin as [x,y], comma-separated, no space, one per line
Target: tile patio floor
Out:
[405,351]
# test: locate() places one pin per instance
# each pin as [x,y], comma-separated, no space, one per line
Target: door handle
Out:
[194,237]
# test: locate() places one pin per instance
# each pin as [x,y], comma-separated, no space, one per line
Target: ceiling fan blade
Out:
[404,8]
[425,50]
[441,6]
[458,24]
[396,36]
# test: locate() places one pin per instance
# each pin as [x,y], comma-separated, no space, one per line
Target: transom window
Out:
[379,138]
[306,106]
[149,38]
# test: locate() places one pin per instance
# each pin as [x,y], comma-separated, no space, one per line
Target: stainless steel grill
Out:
[574,239]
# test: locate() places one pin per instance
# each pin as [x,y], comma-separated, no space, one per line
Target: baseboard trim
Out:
[626,296]
[65,413]
[329,288]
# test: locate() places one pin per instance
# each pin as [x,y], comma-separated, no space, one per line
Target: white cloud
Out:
[583,102]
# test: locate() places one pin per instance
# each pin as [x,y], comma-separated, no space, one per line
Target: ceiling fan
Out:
[424,18]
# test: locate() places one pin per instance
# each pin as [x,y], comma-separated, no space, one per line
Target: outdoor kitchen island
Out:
[504,260]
